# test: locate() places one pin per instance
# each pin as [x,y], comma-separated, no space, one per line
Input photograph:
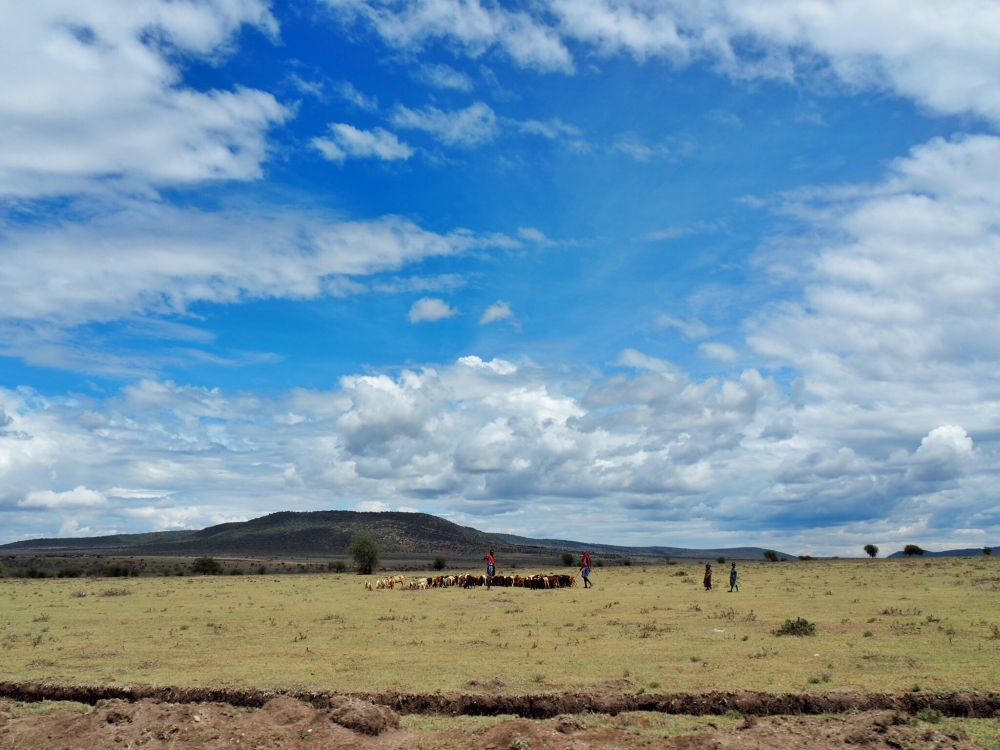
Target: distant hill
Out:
[326,532]
[968,552]
[730,553]
[329,532]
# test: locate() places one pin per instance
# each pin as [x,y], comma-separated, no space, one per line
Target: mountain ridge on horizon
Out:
[318,533]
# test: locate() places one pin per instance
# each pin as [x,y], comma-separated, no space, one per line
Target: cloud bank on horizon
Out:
[635,272]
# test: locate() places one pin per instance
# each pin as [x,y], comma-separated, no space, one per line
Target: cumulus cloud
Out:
[942,56]
[430,309]
[466,128]
[350,141]
[97,100]
[718,351]
[499,310]
[79,497]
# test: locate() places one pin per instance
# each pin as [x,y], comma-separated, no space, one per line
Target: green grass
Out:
[930,622]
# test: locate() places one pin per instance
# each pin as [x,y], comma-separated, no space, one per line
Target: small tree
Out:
[365,552]
[721,560]
[871,550]
[440,563]
[206,566]
[337,566]
[1,568]
[770,555]
[911,549]
[986,551]
[567,558]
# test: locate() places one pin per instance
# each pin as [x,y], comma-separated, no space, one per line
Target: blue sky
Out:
[631,272]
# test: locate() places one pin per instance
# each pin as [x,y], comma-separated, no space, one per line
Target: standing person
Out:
[708,576]
[585,567]
[491,568]
[734,579]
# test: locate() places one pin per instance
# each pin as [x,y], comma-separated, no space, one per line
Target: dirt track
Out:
[610,701]
[284,723]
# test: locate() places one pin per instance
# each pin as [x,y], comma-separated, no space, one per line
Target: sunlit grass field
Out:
[880,625]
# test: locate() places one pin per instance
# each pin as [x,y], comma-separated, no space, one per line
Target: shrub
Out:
[770,555]
[336,566]
[871,550]
[598,563]
[69,573]
[261,570]
[986,551]
[365,552]
[720,559]
[911,549]
[799,626]
[930,715]
[206,566]
[567,559]
[235,572]
[626,562]
[115,592]
[439,563]
[1,568]
[805,558]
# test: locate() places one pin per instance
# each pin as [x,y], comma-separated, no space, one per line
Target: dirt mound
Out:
[362,716]
[287,724]
[541,706]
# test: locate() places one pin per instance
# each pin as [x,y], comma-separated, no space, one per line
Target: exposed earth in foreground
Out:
[287,724]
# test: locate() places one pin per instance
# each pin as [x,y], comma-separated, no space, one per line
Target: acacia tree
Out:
[770,555]
[871,550]
[912,549]
[365,552]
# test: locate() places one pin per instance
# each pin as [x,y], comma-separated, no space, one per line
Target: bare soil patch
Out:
[606,699]
[287,724]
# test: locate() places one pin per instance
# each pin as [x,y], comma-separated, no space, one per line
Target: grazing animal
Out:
[368,586]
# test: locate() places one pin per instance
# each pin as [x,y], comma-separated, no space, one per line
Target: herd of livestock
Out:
[559,581]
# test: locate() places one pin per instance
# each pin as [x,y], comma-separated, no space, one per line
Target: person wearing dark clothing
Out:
[708,577]
[585,567]
[734,579]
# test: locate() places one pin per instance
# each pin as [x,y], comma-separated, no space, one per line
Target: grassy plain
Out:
[881,625]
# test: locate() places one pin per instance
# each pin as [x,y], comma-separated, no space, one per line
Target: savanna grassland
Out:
[881,625]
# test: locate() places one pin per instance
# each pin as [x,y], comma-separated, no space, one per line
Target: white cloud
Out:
[443,77]
[473,26]
[553,129]
[495,365]
[157,259]
[79,497]
[97,99]
[640,361]
[355,97]
[466,128]
[350,141]
[373,506]
[144,494]
[692,329]
[718,351]
[633,147]
[430,309]
[499,310]
[943,56]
